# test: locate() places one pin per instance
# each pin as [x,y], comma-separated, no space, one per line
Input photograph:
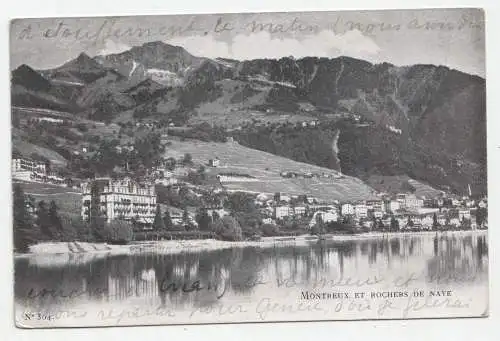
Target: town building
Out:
[376,205]
[280,197]
[347,209]
[361,211]
[392,206]
[326,217]
[299,210]
[411,201]
[281,212]
[167,181]
[427,222]
[268,221]
[463,214]
[318,207]
[441,219]
[483,203]
[19,165]
[124,199]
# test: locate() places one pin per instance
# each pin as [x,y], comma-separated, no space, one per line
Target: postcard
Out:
[249,167]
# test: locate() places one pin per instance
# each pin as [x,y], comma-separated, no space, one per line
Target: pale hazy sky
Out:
[451,37]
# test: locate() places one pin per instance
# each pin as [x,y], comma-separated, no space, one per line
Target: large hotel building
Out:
[121,199]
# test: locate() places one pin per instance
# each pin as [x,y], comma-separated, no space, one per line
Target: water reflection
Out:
[200,279]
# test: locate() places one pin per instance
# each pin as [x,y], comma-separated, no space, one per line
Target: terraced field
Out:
[266,168]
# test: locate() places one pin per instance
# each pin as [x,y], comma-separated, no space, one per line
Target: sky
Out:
[450,37]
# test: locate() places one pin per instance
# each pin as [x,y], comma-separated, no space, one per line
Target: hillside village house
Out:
[279,197]
[49,119]
[214,162]
[124,198]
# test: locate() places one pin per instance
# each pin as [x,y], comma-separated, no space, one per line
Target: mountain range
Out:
[425,121]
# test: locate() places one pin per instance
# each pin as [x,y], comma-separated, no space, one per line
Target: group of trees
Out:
[35,222]
[203,132]
[39,222]
[225,228]
[146,153]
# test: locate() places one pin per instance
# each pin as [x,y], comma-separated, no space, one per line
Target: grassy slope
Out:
[68,200]
[267,167]
[27,149]
[401,183]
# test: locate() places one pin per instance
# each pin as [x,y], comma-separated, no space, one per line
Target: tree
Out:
[167,220]
[203,219]
[277,197]
[435,223]
[16,122]
[481,216]
[409,222]
[319,227]
[118,232]
[73,228]
[54,219]
[185,217]
[96,219]
[241,202]
[170,163]
[187,160]
[465,223]
[394,224]
[228,228]
[149,149]
[270,230]
[22,222]
[348,220]
[42,220]
[158,223]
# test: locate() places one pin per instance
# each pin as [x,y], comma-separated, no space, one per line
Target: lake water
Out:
[372,277]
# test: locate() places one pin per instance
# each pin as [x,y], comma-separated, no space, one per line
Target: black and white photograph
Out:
[249,167]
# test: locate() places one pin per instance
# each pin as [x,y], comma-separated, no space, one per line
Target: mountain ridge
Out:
[437,112]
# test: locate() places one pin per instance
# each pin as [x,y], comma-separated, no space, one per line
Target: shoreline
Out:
[197,245]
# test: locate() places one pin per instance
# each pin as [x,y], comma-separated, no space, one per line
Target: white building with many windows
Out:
[281,212]
[326,217]
[124,199]
[19,165]
[347,209]
[361,211]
